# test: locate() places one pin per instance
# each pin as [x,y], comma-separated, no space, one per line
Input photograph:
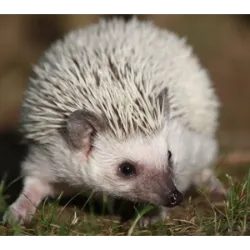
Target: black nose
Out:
[173,199]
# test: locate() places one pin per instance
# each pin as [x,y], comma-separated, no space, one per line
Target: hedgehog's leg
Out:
[157,215]
[23,209]
[207,179]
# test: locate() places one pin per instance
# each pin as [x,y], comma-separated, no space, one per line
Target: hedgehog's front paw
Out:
[23,209]
[206,178]
[18,214]
[158,214]
[218,194]
[146,221]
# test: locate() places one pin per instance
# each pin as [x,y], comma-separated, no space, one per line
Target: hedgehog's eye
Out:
[127,169]
[169,155]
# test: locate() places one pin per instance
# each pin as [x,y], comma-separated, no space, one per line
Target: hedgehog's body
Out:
[119,70]
[143,94]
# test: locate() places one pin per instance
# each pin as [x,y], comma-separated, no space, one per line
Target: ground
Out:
[198,215]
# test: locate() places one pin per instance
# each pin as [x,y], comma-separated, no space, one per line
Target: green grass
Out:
[197,216]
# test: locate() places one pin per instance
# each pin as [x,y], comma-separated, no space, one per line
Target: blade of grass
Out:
[139,216]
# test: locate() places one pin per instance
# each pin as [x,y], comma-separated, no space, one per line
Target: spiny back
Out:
[128,72]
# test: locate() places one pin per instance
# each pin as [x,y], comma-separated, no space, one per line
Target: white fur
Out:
[146,62]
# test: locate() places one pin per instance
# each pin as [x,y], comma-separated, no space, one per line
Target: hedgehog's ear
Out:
[81,127]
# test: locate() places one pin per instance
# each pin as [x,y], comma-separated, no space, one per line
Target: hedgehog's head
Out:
[139,168]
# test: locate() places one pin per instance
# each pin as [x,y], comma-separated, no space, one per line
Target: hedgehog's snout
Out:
[173,198]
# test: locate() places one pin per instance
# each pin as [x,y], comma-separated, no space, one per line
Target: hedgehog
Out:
[123,108]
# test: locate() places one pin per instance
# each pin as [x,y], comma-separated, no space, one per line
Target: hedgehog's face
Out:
[137,168]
